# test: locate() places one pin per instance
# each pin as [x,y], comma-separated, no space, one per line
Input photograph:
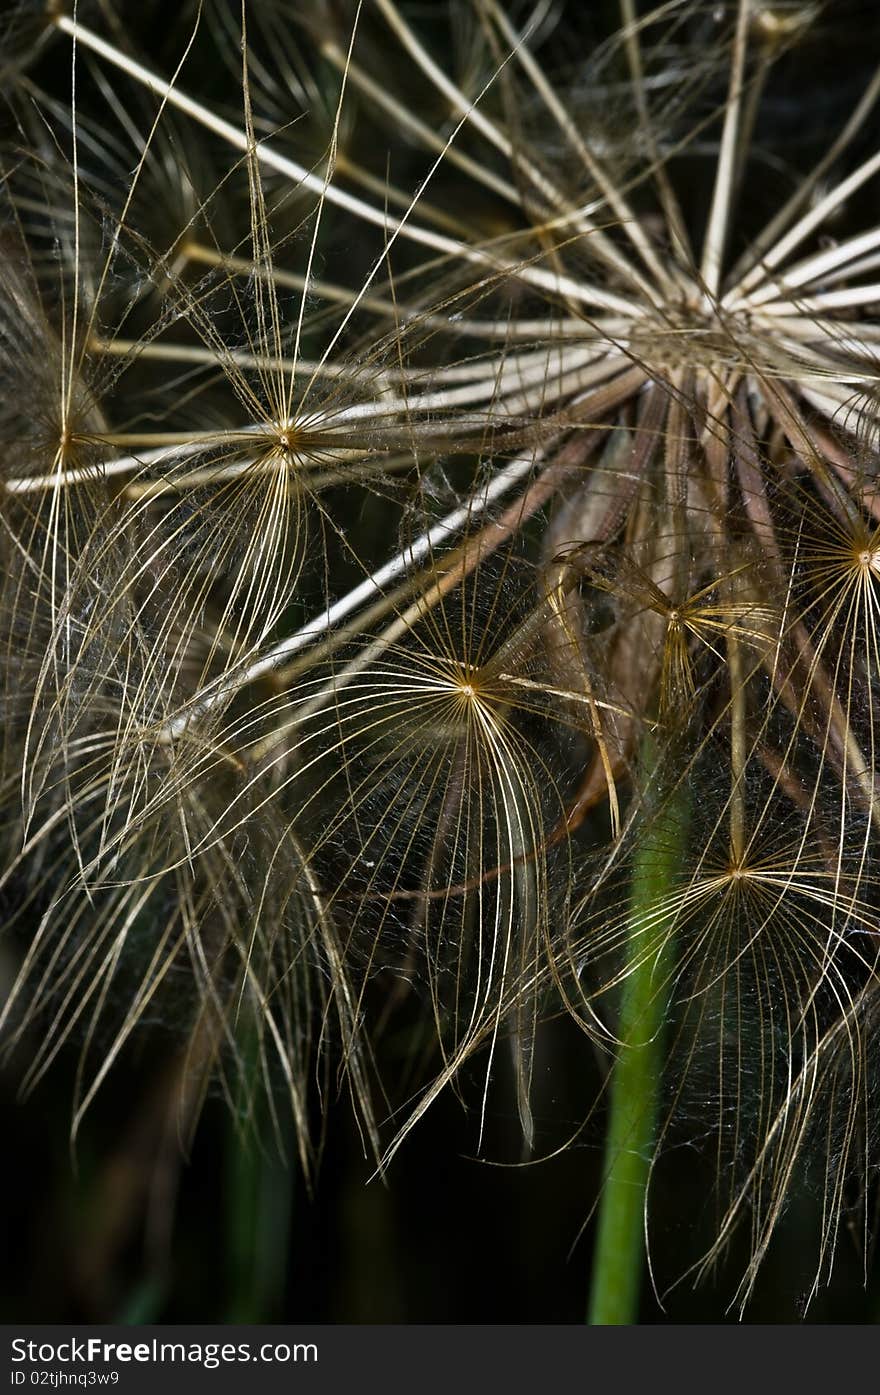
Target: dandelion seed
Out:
[450,562]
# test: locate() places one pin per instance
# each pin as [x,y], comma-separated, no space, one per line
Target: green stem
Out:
[259,1193]
[619,1256]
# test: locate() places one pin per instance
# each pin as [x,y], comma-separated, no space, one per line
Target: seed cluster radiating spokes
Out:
[394,457]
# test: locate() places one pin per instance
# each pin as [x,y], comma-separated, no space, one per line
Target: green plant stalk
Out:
[259,1202]
[619,1255]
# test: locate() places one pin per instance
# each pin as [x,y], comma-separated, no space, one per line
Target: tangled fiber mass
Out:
[440,564]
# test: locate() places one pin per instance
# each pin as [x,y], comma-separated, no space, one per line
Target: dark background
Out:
[447,1238]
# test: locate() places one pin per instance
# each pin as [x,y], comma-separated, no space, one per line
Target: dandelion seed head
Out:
[403,499]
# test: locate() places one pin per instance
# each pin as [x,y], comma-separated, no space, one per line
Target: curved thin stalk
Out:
[259,1186]
[619,1255]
